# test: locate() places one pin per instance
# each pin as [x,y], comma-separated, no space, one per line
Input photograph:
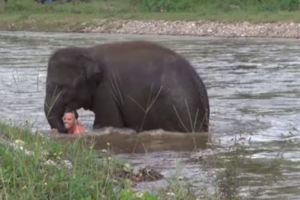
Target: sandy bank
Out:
[197,28]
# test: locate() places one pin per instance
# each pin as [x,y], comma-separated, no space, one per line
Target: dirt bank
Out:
[197,28]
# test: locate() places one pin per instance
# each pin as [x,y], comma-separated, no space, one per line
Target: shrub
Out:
[290,5]
[166,5]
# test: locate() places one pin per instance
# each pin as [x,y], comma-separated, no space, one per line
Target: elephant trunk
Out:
[54,111]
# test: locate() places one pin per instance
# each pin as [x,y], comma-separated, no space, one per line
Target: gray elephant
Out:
[139,85]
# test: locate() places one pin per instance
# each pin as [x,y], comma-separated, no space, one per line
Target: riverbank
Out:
[201,28]
[197,28]
[36,167]
[228,18]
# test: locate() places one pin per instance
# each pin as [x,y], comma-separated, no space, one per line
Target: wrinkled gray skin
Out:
[138,85]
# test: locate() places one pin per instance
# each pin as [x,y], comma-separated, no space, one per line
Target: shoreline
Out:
[196,28]
[199,28]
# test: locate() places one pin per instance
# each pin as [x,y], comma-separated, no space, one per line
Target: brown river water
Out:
[254,90]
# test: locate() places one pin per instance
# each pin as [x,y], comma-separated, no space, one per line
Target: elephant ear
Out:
[91,70]
[72,67]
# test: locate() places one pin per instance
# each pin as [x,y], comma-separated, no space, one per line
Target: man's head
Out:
[70,119]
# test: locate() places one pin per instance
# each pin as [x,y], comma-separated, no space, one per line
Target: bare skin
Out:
[72,124]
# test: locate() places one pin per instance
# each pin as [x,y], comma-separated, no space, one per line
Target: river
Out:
[254,90]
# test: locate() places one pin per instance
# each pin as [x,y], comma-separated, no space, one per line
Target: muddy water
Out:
[254,91]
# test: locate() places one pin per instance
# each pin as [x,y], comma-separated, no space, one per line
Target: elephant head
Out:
[72,76]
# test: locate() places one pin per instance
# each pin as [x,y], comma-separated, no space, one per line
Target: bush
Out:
[290,5]
[20,5]
[167,5]
[225,5]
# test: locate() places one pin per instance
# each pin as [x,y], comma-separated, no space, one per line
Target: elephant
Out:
[139,85]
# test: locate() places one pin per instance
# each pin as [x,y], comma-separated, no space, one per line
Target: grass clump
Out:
[236,167]
[34,167]
[178,189]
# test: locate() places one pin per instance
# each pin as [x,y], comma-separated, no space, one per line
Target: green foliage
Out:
[224,5]
[228,179]
[290,5]
[21,5]
[130,195]
[167,5]
[178,188]
[236,164]
[207,9]
[94,6]
[34,167]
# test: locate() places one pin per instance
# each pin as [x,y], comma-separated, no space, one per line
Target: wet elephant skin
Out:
[139,85]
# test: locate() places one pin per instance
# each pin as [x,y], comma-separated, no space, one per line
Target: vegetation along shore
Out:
[228,18]
[34,166]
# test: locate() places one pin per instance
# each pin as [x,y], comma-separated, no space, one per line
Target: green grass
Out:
[29,15]
[34,167]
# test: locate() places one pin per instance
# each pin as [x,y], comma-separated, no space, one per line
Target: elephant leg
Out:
[107,112]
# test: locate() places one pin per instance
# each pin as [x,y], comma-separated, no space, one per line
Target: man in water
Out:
[71,123]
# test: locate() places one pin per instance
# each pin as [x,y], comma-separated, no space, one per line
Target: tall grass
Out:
[225,5]
[77,7]
[34,167]
[119,7]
